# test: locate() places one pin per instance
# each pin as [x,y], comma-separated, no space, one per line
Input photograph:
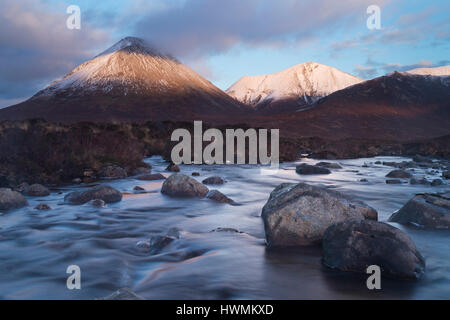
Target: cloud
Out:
[203,27]
[373,68]
[37,47]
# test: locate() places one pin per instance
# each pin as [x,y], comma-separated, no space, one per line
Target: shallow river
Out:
[36,247]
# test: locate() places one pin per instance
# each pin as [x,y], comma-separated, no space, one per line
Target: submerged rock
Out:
[151,177]
[233,230]
[113,172]
[393,181]
[180,185]
[43,207]
[173,168]
[329,165]
[11,199]
[354,244]
[427,210]
[105,193]
[137,188]
[446,174]
[399,174]
[218,196]
[308,169]
[195,174]
[123,294]
[299,214]
[213,180]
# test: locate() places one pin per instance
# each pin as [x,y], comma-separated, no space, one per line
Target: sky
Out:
[221,40]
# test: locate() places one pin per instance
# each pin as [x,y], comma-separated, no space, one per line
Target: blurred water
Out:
[37,246]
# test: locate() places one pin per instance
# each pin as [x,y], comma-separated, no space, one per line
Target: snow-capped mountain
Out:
[438,71]
[305,82]
[129,81]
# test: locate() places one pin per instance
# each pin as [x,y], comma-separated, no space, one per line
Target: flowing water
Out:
[36,247]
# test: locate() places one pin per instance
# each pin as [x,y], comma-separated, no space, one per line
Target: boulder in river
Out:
[173,168]
[218,196]
[308,169]
[36,190]
[427,210]
[105,193]
[399,174]
[213,180]
[195,174]
[180,185]
[329,165]
[354,244]
[299,214]
[437,182]
[151,177]
[113,172]
[10,199]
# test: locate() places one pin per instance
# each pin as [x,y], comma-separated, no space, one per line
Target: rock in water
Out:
[151,177]
[427,210]
[399,174]
[393,181]
[308,169]
[180,185]
[113,172]
[36,190]
[299,214]
[43,207]
[355,244]
[329,165]
[105,193]
[11,199]
[218,196]
[173,168]
[213,180]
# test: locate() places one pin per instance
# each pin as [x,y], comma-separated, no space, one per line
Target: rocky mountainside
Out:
[304,84]
[129,81]
[398,106]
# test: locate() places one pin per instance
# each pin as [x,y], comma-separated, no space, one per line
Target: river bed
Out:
[36,247]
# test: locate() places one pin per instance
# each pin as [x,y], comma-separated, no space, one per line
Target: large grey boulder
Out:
[299,214]
[10,199]
[308,169]
[180,185]
[354,244]
[426,210]
[105,193]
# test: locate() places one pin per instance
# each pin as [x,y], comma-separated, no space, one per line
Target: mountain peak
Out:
[305,82]
[135,45]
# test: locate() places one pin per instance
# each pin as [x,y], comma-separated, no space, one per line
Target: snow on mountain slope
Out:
[131,81]
[438,71]
[128,67]
[308,81]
